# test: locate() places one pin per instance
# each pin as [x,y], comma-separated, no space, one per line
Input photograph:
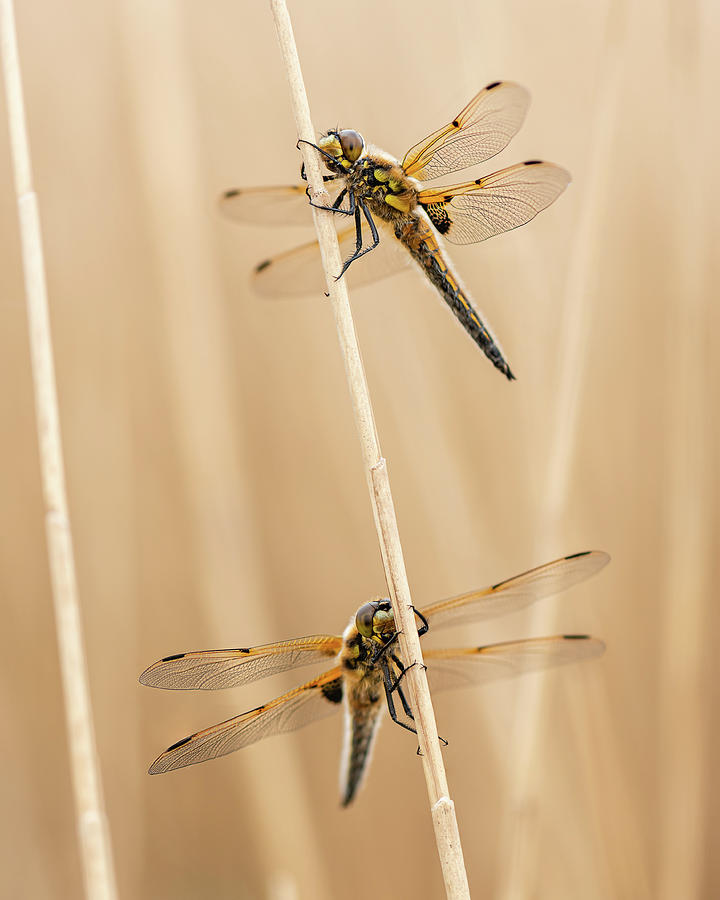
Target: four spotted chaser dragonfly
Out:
[366,668]
[378,190]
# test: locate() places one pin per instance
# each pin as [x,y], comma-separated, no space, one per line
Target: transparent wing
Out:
[211,670]
[481,130]
[299,271]
[449,669]
[280,205]
[305,704]
[516,593]
[477,210]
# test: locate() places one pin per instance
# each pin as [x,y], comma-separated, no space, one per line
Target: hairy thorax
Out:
[378,179]
[363,678]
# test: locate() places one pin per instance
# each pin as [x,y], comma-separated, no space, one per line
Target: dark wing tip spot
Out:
[243,649]
[263,265]
[478,181]
[455,123]
[178,744]
[493,85]
[174,656]
[576,637]
[232,193]
[533,162]
[578,555]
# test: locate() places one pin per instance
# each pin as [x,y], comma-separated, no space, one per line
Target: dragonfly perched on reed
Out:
[365,677]
[383,195]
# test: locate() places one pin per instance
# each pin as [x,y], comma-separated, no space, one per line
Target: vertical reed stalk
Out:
[93,831]
[443,811]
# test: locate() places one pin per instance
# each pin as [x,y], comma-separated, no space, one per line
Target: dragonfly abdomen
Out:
[417,236]
[364,708]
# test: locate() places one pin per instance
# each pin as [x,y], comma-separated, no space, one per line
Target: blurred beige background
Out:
[214,475]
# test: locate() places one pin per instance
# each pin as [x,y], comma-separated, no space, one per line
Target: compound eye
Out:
[365,617]
[352,144]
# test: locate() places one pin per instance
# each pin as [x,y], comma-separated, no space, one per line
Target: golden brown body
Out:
[380,182]
[372,185]
[364,695]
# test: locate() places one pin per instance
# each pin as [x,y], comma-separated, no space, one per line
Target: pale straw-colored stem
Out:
[93,831]
[442,807]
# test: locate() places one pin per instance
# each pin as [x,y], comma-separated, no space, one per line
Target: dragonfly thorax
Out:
[375,620]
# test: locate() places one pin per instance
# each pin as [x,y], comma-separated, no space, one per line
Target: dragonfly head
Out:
[375,620]
[346,146]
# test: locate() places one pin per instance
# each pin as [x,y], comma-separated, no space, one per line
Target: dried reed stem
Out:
[93,831]
[443,811]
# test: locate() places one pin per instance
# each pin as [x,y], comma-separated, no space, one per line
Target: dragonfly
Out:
[365,677]
[383,195]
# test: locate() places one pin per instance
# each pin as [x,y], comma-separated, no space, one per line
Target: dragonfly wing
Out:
[474,211]
[278,205]
[299,271]
[518,592]
[210,670]
[480,665]
[481,130]
[305,704]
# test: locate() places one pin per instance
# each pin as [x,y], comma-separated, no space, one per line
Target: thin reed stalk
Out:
[443,811]
[91,820]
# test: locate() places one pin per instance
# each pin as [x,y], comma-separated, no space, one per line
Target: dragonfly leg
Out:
[382,651]
[351,210]
[405,704]
[387,683]
[319,150]
[424,627]
[326,178]
[396,687]
[359,249]
[403,669]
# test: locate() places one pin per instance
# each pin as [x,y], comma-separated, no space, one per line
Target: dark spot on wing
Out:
[493,85]
[439,217]
[577,555]
[533,162]
[448,198]
[333,691]
[263,265]
[455,123]
[178,744]
[576,637]
[174,656]
[478,181]
[233,193]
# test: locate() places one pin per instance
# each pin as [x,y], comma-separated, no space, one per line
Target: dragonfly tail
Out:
[469,318]
[360,730]
[427,252]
